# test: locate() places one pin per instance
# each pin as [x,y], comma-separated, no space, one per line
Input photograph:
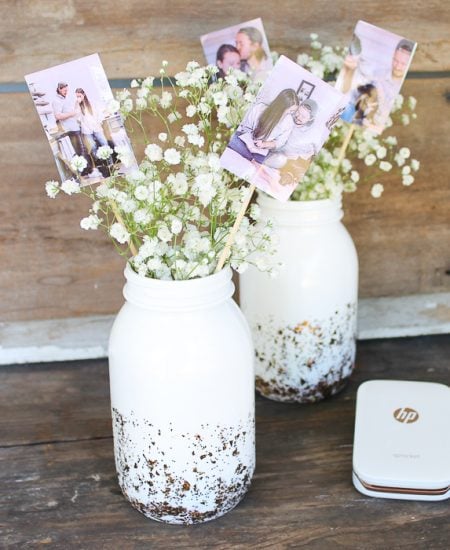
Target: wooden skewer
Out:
[237,222]
[120,220]
[344,146]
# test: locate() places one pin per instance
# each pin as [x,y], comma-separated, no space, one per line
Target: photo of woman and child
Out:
[241,47]
[277,138]
[77,122]
[372,75]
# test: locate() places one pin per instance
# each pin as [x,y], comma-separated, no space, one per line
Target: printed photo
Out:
[78,113]
[372,75]
[242,46]
[283,130]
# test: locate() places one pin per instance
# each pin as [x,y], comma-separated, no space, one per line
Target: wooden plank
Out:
[65,494]
[51,268]
[134,37]
[87,337]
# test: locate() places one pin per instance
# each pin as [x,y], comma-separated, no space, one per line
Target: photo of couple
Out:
[242,46]
[372,75]
[283,130]
[73,101]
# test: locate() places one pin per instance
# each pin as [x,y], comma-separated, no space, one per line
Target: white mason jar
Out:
[182,397]
[304,321]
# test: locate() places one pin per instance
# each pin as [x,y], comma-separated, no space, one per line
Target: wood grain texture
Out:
[63,492]
[51,268]
[133,37]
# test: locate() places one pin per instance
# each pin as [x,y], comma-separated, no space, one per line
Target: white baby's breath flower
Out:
[406,170]
[381,152]
[178,183]
[390,140]
[385,166]
[166,100]
[142,216]
[52,188]
[104,152]
[405,119]
[162,136]
[141,103]
[172,156]
[91,222]
[377,190]
[164,233]
[176,226]
[399,159]
[141,192]
[70,187]
[405,152]
[180,141]
[412,102]
[415,165]
[354,176]
[153,152]
[78,163]
[174,116]
[102,190]
[125,155]
[134,83]
[113,106]
[370,159]
[407,179]
[191,110]
[119,233]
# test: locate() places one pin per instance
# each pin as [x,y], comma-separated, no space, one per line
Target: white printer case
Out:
[402,440]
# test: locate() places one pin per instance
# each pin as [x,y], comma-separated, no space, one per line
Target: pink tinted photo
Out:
[373,73]
[283,130]
[243,46]
[78,113]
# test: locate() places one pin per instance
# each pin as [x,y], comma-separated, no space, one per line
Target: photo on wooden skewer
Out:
[80,118]
[243,46]
[283,130]
[372,75]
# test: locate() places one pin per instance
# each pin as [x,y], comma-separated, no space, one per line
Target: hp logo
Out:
[406,415]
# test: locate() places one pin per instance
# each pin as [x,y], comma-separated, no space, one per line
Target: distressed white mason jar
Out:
[182,397]
[304,321]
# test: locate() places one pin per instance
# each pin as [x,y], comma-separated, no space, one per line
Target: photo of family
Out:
[283,130]
[242,46]
[74,103]
[372,75]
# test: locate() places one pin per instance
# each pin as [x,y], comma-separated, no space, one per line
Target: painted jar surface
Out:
[182,397]
[304,321]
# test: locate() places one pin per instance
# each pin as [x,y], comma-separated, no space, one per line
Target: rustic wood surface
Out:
[53,269]
[133,37]
[59,489]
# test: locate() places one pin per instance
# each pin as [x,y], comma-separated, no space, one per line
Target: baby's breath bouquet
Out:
[172,216]
[368,156]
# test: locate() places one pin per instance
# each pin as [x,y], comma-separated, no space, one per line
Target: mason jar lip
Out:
[270,202]
[223,275]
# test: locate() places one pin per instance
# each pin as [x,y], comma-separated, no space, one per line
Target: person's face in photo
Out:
[304,93]
[302,116]
[64,91]
[80,97]
[230,60]
[244,45]
[400,63]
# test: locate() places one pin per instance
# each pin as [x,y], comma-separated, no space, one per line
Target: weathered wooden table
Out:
[58,484]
